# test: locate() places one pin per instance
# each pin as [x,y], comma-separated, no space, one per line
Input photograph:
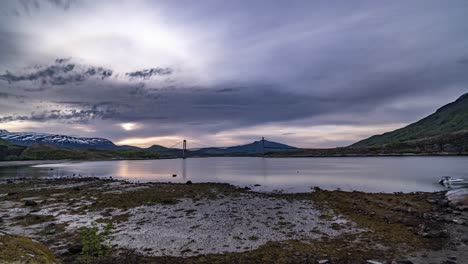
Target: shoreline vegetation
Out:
[221,223]
[53,154]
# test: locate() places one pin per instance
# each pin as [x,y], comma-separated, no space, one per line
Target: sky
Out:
[221,73]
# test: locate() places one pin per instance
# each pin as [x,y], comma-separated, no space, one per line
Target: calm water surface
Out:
[371,174]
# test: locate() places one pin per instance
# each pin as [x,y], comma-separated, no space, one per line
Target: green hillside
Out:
[448,119]
[448,144]
[4,142]
[10,152]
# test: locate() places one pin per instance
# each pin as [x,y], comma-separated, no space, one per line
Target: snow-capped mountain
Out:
[31,138]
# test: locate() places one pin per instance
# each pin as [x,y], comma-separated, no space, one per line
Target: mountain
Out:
[61,141]
[48,152]
[9,151]
[450,120]
[448,144]
[163,151]
[158,148]
[253,148]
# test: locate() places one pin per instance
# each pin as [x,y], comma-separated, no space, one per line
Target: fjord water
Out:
[370,174]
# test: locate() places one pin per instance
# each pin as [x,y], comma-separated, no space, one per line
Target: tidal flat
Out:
[42,221]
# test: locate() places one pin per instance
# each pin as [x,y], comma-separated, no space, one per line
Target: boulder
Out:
[30,203]
[75,249]
[458,198]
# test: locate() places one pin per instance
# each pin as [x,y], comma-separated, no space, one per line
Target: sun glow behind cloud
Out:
[129,126]
[149,141]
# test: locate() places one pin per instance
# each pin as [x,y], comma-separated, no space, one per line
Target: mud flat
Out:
[220,223]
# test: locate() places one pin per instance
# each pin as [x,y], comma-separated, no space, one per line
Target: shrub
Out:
[95,243]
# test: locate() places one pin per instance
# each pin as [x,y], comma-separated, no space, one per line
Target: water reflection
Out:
[184,169]
[264,168]
[378,174]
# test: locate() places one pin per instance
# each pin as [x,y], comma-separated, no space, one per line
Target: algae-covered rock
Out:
[20,249]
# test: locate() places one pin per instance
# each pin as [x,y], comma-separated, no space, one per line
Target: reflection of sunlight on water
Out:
[123,170]
[148,170]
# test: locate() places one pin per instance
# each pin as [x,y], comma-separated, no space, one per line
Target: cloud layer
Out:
[307,73]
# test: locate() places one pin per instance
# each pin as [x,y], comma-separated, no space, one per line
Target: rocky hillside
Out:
[449,119]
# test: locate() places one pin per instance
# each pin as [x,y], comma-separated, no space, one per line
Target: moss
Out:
[338,250]
[149,194]
[19,249]
[163,194]
[393,218]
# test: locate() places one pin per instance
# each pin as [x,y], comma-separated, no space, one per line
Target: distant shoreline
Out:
[368,155]
[8,163]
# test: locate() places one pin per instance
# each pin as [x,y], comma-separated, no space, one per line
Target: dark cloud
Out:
[62,60]
[226,90]
[148,73]
[64,4]
[61,73]
[70,116]
[29,6]
[9,95]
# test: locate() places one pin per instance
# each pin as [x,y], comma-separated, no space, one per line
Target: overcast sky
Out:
[305,73]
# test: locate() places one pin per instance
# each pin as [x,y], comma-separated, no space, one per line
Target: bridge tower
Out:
[184,148]
[263,146]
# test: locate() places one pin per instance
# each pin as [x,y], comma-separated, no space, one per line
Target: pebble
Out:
[323,261]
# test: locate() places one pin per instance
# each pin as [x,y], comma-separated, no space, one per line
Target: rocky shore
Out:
[45,221]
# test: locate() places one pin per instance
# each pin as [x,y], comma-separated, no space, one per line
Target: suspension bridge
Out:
[184,150]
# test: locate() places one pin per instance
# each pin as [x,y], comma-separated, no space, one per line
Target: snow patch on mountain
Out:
[31,138]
